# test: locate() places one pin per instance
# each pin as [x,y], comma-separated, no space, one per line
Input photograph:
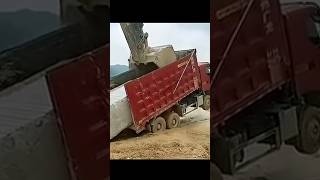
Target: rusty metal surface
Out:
[250,50]
[155,92]
[79,93]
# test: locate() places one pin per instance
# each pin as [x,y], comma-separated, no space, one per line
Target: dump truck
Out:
[158,87]
[155,101]
[265,89]
[54,100]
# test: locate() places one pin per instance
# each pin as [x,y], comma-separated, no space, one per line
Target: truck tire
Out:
[173,120]
[309,125]
[206,102]
[215,173]
[158,124]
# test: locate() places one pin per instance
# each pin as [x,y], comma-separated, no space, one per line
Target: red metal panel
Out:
[156,92]
[205,78]
[257,59]
[79,92]
[305,53]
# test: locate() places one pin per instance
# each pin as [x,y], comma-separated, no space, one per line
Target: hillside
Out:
[23,25]
[118,69]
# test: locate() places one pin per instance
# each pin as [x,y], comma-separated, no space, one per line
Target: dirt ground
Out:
[189,141]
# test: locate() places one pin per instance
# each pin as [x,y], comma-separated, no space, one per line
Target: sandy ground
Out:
[189,141]
[283,164]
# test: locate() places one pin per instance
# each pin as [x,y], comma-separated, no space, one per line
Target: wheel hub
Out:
[208,102]
[174,122]
[314,130]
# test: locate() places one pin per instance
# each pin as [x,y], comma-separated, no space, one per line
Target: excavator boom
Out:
[137,41]
[143,59]
[72,11]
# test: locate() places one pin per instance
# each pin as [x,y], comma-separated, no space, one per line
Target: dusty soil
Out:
[189,141]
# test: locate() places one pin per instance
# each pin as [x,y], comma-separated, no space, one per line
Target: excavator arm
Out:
[143,59]
[137,41]
[141,52]
[72,11]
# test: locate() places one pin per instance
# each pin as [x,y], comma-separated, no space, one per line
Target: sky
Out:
[180,35]
[41,5]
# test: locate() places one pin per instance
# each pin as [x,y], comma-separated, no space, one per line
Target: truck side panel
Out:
[156,92]
[79,92]
[257,61]
[300,27]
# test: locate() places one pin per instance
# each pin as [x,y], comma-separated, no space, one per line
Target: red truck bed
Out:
[79,92]
[156,92]
[249,54]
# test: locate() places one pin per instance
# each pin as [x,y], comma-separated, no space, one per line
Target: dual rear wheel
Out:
[206,102]
[169,121]
[309,125]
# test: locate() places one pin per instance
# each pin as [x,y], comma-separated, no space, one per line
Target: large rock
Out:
[34,151]
[31,146]
[120,113]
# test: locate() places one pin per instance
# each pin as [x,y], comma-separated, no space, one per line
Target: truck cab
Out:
[266,63]
[302,25]
[204,69]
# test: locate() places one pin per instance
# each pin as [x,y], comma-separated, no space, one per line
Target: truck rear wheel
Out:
[309,138]
[206,102]
[173,120]
[215,173]
[158,124]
